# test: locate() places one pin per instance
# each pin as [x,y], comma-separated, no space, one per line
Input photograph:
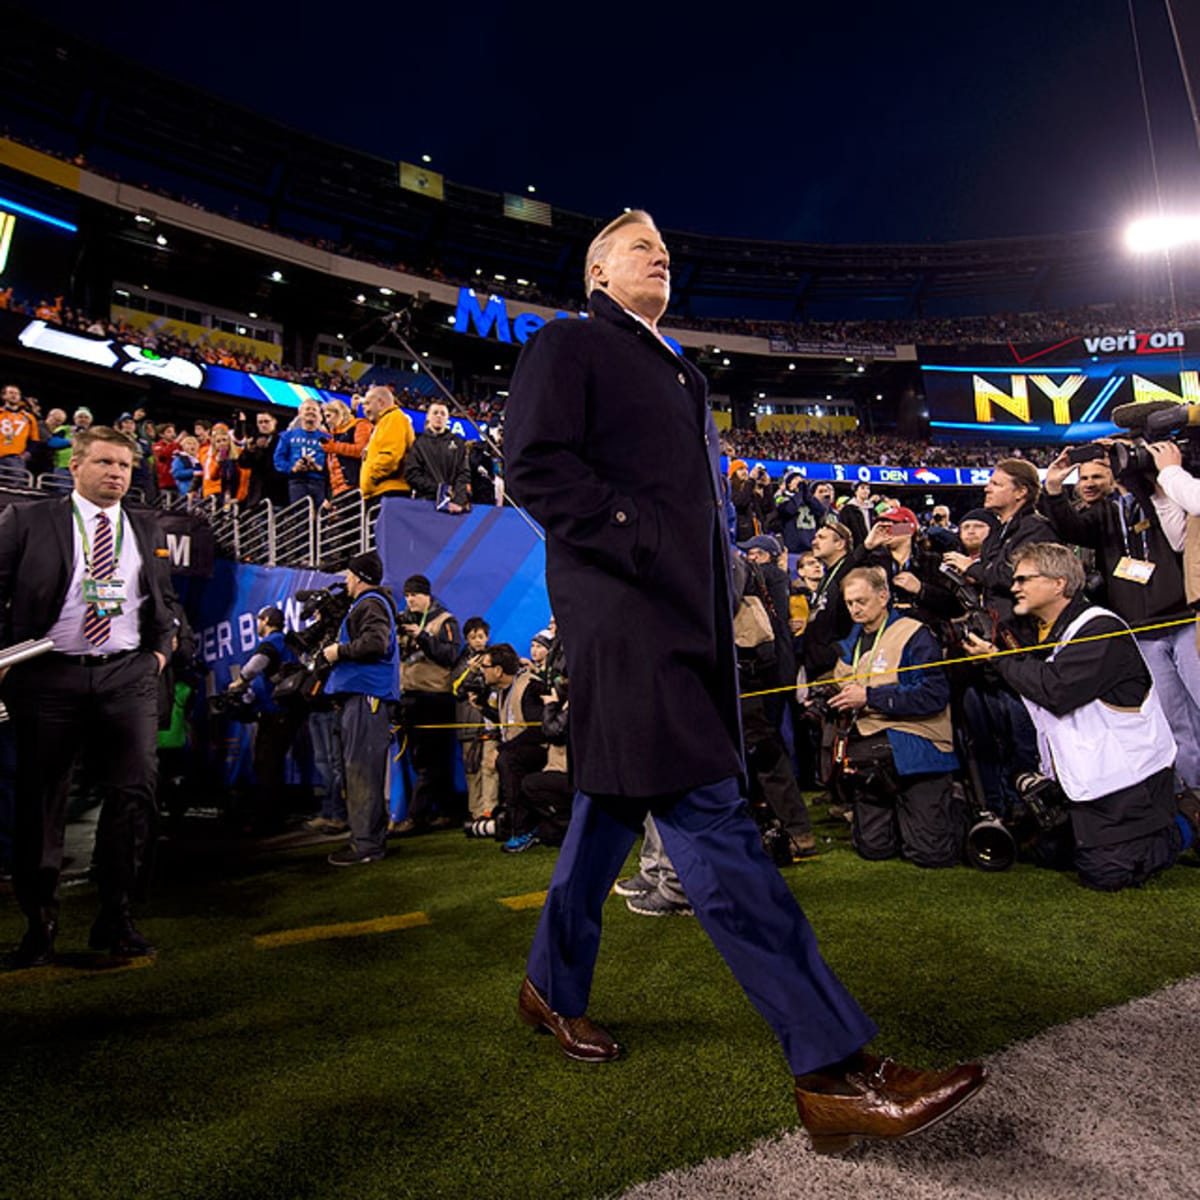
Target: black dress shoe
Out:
[120,938]
[37,946]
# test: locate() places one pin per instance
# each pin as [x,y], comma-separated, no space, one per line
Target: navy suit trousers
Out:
[739,896]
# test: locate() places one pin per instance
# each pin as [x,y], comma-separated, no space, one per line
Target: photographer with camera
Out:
[515,702]
[900,751]
[276,727]
[477,737]
[364,681]
[1143,584]
[1101,730]
[1001,732]
[430,646]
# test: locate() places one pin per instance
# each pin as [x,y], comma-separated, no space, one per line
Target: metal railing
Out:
[295,535]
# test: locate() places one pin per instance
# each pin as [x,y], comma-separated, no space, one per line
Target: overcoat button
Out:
[682,378]
[620,517]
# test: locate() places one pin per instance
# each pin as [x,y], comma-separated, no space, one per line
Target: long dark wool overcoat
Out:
[610,445]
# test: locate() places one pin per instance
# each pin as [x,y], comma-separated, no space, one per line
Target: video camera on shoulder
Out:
[326,608]
[1148,421]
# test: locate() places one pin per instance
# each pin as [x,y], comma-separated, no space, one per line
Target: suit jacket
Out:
[36,556]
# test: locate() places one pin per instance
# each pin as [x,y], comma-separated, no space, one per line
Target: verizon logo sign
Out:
[1132,342]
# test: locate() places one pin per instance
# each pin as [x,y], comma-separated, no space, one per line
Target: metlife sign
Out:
[493,319]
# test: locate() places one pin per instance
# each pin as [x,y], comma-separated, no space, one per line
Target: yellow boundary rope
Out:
[949,662]
[945,662]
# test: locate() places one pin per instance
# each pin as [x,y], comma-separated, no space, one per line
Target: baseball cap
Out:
[762,541]
[903,519]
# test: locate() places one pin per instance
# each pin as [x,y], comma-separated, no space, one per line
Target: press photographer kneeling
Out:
[896,761]
[1101,729]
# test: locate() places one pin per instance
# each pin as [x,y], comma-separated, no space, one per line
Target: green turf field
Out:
[391,1064]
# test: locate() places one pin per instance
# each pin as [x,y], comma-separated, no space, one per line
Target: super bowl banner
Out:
[489,562]
[1056,391]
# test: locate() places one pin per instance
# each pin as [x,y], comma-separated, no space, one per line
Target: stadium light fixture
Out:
[386,291]
[532,189]
[253,316]
[426,159]
[791,366]
[277,276]
[161,240]
[724,362]
[360,298]
[1161,233]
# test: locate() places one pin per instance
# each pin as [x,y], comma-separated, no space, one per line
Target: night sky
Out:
[868,122]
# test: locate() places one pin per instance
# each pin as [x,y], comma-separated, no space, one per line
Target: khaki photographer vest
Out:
[512,711]
[882,665]
[424,675]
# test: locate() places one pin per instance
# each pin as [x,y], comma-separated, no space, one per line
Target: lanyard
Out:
[874,644]
[87,550]
[1125,530]
[828,580]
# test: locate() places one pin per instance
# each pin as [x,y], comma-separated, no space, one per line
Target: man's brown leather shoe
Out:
[579,1037]
[882,1099]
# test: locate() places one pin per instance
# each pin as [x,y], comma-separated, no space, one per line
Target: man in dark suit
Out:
[92,576]
[637,566]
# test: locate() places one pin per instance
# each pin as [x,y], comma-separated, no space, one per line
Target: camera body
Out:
[978,619]
[238,705]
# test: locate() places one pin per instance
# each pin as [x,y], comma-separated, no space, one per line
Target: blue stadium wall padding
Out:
[488,562]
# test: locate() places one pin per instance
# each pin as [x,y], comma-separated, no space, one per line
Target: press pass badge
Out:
[1135,570]
[108,595]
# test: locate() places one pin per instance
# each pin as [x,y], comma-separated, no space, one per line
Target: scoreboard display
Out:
[1063,392]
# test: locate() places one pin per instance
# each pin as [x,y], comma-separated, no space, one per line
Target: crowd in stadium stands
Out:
[886,450]
[994,329]
[1092,320]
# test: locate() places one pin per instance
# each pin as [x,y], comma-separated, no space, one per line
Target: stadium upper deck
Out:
[81,103]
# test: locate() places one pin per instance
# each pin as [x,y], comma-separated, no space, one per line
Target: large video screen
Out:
[130,358]
[37,252]
[1061,392]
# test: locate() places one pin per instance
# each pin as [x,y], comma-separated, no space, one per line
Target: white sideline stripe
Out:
[1102,1108]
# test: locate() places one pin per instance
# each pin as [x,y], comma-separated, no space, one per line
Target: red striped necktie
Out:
[96,628]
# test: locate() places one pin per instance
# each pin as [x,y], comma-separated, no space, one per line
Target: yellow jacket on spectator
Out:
[383,463]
